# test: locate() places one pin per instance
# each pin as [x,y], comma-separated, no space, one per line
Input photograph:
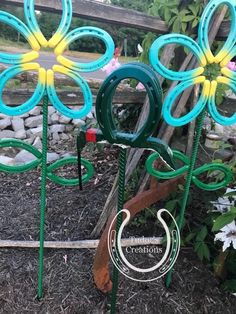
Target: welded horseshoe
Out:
[63,26]
[142,138]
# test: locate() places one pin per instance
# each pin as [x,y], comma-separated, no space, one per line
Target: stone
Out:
[69,128]
[3,116]
[55,137]
[38,143]
[78,122]
[37,131]
[66,155]
[57,128]
[24,115]
[64,136]
[7,161]
[7,134]
[219,129]
[35,111]
[49,120]
[229,131]
[51,110]
[64,120]
[17,124]
[29,140]
[52,157]
[21,134]
[24,157]
[33,122]
[55,117]
[4,123]
[90,115]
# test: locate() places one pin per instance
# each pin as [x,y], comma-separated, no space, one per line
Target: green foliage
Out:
[138,5]
[224,219]
[199,239]
[181,16]
[6,31]
[229,285]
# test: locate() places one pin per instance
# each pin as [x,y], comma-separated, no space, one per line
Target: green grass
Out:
[6,43]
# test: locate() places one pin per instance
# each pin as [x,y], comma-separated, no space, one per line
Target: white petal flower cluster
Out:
[227,235]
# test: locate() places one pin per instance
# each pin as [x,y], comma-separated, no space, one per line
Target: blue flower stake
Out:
[207,100]
[45,90]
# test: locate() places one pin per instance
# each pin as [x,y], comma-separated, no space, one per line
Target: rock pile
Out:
[29,126]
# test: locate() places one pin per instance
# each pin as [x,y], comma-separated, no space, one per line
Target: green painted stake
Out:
[121,189]
[193,159]
[43,196]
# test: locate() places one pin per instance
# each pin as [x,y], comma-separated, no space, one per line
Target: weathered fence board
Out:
[111,14]
[18,96]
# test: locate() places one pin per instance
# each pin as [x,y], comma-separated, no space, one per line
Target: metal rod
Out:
[43,196]
[79,169]
[187,186]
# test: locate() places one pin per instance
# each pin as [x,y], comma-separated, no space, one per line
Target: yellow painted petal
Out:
[61,69]
[223,80]
[213,88]
[41,39]
[199,79]
[61,47]
[66,62]
[30,66]
[199,71]
[50,77]
[30,56]
[227,72]
[33,42]
[209,56]
[206,88]
[221,55]
[42,76]
[55,40]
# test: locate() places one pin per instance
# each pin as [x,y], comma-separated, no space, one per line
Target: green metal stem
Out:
[43,195]
[121,189]
[193,159]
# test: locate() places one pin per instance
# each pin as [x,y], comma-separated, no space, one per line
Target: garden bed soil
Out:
[68,282]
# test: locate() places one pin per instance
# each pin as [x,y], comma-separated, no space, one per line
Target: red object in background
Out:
[91,136]
[117,52]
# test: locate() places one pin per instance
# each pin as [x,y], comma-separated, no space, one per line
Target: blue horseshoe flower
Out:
[206,59]
[59,41]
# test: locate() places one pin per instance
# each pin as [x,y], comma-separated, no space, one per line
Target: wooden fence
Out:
[111,14]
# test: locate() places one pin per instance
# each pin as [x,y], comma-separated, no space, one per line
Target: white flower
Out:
[223,204]
[227,235]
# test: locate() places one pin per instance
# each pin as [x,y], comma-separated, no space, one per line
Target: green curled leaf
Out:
[69,161]
[212,186]
[178,156]
[25,146]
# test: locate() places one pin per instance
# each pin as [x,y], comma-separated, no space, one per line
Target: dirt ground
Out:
[68,282]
